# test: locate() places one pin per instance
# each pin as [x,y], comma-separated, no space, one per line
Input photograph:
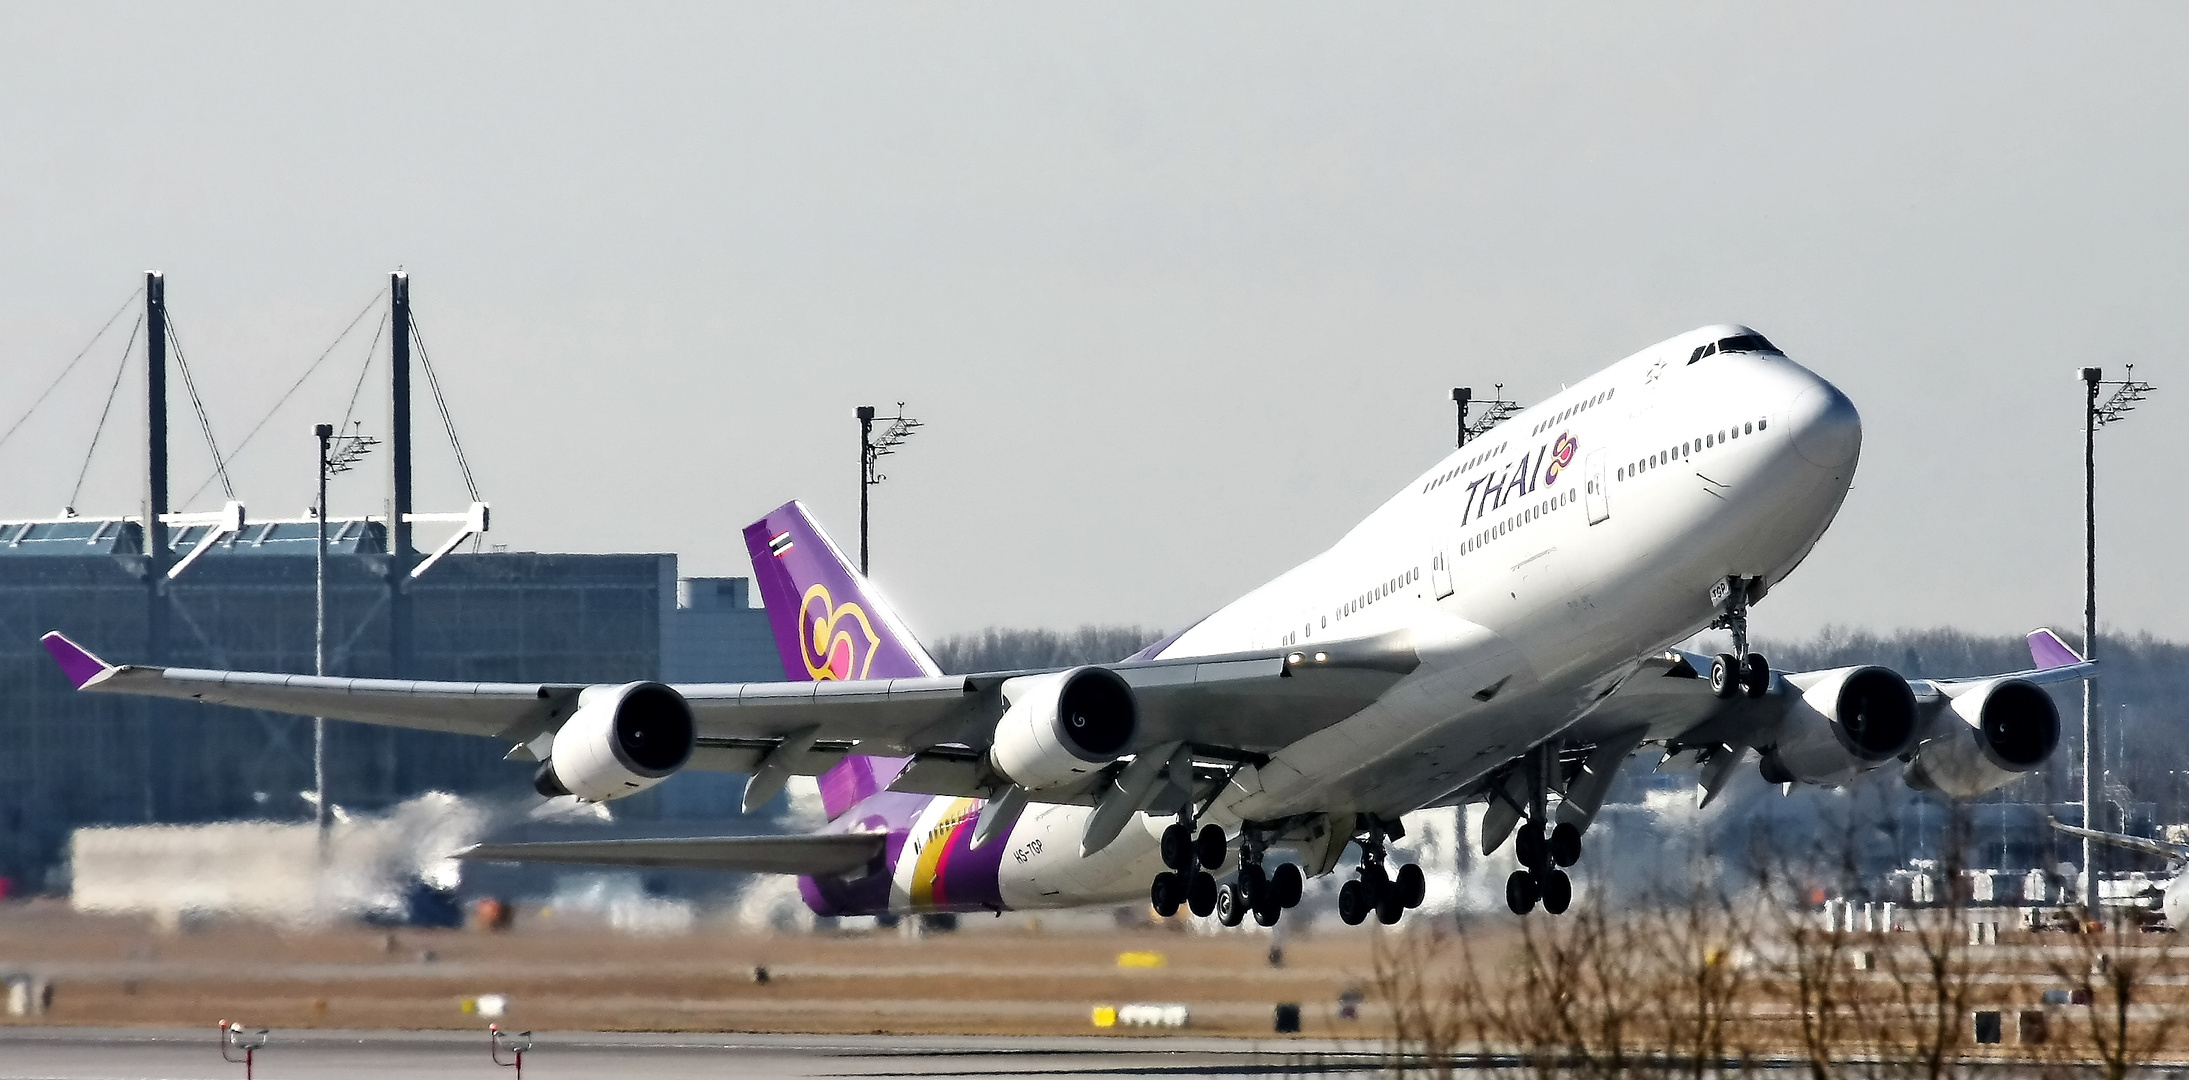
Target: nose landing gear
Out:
[1740,671]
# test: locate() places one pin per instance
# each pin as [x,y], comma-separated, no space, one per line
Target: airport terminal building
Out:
[70,759]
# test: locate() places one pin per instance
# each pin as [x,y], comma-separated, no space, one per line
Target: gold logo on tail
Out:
[832,650]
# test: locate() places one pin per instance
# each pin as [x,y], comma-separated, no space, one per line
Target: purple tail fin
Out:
[830,623]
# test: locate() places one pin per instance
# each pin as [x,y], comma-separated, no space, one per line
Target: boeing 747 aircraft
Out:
[1498,631]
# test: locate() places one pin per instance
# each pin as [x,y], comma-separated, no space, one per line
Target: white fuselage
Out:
[1528,590]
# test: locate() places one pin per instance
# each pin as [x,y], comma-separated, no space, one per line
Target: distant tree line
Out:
[1000,648]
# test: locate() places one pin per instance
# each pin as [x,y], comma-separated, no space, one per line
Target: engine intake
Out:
[1063,726]
[1847,721]
[2007,727]
[621,741]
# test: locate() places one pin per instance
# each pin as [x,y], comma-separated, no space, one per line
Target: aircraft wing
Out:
[2160,848]
[826,853]
[1667,699]
[1245,703]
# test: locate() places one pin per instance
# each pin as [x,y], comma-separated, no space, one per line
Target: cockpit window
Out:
[1755,343]
[1748,343]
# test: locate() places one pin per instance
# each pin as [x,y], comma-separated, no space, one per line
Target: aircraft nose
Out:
[1826,429]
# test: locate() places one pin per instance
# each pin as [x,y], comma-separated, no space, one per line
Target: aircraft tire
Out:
[1566,844]
[1520,892]
[1231,907]
[1389,907]
[1267,914]
[1557,892]
[1353,903]
[1177,847]
[1253,884]
[1756,675]
[1411,885]
[1164,894]
[1285,885]
[1211,847]
[1725,675]
[1528,845]
[1201,897]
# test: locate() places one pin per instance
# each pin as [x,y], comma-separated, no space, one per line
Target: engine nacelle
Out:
[1846,722]
[1062,726]
[1996,731]
[621,741]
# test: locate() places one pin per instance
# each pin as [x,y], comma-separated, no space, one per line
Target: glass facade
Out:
[70,759]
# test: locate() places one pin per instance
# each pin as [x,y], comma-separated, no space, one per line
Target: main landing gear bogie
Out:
[1542,877]
[1254,890]
[1376,891]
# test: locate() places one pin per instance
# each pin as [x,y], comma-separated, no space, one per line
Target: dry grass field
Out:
[563,974]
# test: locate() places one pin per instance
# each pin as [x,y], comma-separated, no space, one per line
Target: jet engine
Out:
[1846,721]
[1995,731]
[621,741]
[1062,726]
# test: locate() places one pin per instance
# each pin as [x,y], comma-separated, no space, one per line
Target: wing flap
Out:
[829,853]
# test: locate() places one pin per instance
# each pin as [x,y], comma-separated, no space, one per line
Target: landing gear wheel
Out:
[1267,914]
[1165,894]
[1520,893]
[1284,886]
[1388,907]
[1353,903]
[1566,844]
[1201,897]
[1253,884]
[1177,846]
[1528,846]
[1725,675]
[1230,906]
[1411,885]
[1211,847]
[1557,892]
[1755,675]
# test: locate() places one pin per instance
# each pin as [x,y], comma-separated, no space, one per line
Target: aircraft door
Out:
[1598,497]
[1440,573]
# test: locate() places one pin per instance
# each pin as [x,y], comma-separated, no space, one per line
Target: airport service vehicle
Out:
[1499,631]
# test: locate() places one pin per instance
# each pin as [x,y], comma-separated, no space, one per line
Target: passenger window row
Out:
[1570,411]
[1455,471]
[1388,587]
[1710,440]
[1523,517]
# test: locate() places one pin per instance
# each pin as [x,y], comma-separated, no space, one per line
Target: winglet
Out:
[2046,650]
[76,661]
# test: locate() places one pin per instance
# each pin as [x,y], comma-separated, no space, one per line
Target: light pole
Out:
[1461,395]
[333,458]
[2126,393]
[872,448]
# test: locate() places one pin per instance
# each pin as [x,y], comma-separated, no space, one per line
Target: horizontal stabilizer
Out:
[832,853]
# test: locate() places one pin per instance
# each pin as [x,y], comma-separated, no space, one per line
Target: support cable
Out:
[205,423]
[118,313]
[371,350]
[293,388]
[70,506]
[463,464]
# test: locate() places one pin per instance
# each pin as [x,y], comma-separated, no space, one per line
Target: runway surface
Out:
[68,1053]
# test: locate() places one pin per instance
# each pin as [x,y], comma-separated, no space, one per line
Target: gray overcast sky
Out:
[1180,289]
